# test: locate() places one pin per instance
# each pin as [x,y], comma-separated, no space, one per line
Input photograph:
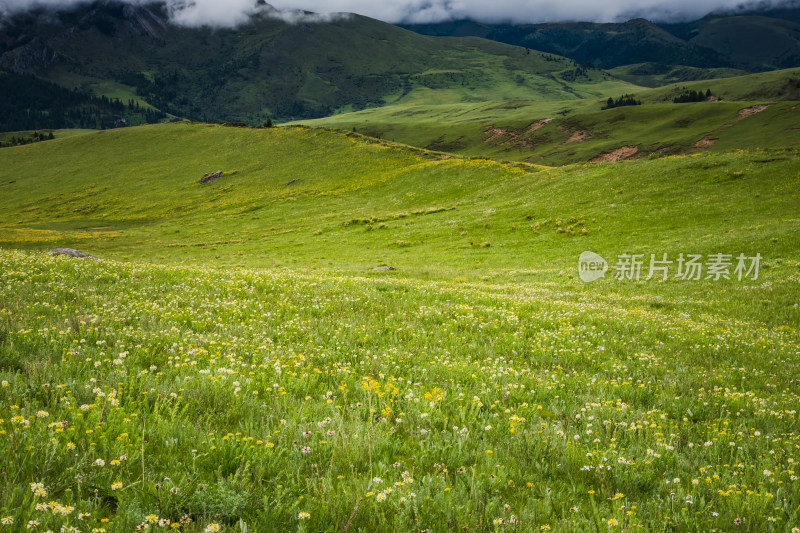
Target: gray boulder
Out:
[71,252]
[211,176]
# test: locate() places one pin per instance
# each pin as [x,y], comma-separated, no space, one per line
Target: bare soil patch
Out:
[623,152]
[705,142]
[752,110]
[578,136]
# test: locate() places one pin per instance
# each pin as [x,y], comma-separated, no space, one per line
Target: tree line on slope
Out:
[30,103]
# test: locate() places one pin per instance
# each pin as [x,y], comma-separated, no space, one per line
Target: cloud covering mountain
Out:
[222,13]
[419,11]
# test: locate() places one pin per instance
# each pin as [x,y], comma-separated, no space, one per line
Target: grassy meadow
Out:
[234,363]
[560,131]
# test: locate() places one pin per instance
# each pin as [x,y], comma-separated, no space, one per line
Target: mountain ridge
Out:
[272,69]
[704,43]
[311,66]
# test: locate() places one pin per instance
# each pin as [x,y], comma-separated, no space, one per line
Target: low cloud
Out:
[421,11]
[210,12]
[191,13]
[229,13]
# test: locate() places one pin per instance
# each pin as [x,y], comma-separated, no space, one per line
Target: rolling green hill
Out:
[272,69]
[269,68]
[755,111]
[320,199]
[323,329]
[659,74]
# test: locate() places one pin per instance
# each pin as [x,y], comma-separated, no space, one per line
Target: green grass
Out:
[502,129]
[58,134]
[97,86]
[256,396]
[232,325]
[656,75]
[358,203]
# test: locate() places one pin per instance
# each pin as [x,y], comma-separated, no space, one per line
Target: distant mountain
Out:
[271,69]
[148,68]
[753,41]
[600,45]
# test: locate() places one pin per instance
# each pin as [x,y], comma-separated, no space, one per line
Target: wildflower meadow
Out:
[141,397]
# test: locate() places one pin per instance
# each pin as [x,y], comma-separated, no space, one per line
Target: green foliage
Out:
[692,96]
[624,100]
[27,102]
[658,75]
[219,502]
[597,44]
[20,138]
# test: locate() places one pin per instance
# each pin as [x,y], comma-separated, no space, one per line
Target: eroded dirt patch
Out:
[578,136]
[506,137]
[495,134]
[752,110]
[623,152]
[533,126]
[705,142]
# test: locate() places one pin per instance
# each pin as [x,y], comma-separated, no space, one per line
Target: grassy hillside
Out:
[556,133]
[245,366]
[312,199]
[659,74]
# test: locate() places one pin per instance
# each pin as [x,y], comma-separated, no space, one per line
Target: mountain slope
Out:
[602,45]
[760,40]
[273,69]
[32,103]
[770,43]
